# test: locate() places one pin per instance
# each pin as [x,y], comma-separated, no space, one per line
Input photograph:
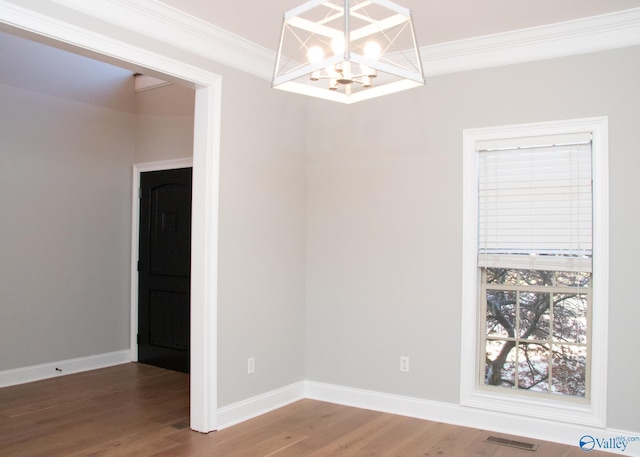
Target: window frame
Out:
[591,411]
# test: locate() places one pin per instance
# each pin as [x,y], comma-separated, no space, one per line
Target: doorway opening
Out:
[204,234]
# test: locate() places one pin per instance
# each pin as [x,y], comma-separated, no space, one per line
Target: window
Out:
[536,336]
[534,270]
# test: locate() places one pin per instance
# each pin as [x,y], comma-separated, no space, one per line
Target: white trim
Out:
[25,19]
[260,404]
[144,82]
[62,368]
[204,259]
[594,412]
[600,292]
[206,155]
[548,430]
[580,36]
[170,25]
[139,168]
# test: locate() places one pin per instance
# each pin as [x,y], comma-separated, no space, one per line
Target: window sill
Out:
[575,411]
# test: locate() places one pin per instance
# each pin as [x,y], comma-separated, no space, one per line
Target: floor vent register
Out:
[512,443]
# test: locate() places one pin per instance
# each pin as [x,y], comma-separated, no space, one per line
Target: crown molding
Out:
[64,32]
[167,24]
[164,23]
[580,36]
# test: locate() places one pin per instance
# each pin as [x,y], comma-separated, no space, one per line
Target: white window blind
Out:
[535,203]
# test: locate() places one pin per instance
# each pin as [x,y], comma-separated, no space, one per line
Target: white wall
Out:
[384,221]
[66,142]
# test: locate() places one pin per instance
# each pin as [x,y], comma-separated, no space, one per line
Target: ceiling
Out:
[435,21]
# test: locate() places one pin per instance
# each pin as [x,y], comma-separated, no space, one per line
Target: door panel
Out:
[164,269]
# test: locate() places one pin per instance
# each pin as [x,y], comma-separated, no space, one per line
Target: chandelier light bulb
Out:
[315,54]
[337,45]
[372,50]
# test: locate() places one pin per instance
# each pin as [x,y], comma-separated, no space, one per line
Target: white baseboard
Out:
[258,405]
[546,430]
[61,368]
[554,431]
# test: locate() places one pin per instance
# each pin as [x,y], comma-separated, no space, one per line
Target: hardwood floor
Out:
[142,411]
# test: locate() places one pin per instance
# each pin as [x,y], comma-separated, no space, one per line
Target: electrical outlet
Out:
[251,365]
[404,364]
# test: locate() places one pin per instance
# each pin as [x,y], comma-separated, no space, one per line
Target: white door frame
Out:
[206,158]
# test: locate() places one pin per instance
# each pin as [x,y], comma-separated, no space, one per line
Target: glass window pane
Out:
[530,310]
[500,368]
[536,277]
[534,315]
[533,367]
[570,318]
[501,276]
[501,313]
[569,368]
[574,279]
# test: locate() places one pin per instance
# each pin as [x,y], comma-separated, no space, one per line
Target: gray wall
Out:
[261,276]
[262,223]
[66,149]
[384,214]
[164,123]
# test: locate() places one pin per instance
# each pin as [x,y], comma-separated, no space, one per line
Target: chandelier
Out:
[347,50]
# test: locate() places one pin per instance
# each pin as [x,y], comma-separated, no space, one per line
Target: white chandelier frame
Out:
[401,69]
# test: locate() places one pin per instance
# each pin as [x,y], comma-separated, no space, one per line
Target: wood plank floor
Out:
[142,411]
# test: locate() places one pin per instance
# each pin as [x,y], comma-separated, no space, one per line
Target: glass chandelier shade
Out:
[348,50]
